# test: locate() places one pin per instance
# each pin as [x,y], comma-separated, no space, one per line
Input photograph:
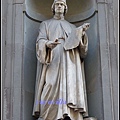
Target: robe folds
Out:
[60,81]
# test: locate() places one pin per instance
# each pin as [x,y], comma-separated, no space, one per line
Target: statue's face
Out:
[59,7]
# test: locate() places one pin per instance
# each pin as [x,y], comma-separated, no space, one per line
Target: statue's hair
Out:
[53,9]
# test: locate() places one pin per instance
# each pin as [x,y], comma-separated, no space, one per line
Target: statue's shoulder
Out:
[47,21]
[72,25]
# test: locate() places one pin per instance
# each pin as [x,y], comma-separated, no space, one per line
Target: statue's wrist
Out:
[47,44]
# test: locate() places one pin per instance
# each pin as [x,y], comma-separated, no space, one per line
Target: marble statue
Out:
[61,47]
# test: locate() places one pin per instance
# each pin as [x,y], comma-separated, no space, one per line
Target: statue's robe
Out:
[60,71]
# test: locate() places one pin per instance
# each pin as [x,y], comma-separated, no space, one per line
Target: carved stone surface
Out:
[101,71]
[90,118]
[61,48]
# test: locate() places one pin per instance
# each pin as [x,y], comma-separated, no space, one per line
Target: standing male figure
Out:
[60,48]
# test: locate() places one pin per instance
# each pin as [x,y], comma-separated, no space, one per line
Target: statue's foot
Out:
[67,118]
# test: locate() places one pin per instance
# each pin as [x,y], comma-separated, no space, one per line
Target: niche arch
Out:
[77,9]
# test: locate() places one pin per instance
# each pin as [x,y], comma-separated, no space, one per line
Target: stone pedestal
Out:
[90,118]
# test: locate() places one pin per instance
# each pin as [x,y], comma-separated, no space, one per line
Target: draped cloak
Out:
[60,71]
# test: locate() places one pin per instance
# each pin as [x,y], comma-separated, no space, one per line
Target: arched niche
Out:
[77,9]
[79,12]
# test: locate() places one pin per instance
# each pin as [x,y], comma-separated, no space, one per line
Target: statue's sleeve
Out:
[83,46]
[44,54]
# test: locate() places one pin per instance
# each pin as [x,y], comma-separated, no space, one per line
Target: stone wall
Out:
[19,33]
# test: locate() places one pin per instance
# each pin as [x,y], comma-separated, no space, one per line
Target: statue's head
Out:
[59,6]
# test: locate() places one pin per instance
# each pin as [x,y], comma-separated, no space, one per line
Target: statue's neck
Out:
[59,16]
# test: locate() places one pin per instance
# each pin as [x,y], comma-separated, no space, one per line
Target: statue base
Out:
[68,118]
[90,118]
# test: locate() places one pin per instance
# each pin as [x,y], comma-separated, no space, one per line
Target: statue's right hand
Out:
[52,44]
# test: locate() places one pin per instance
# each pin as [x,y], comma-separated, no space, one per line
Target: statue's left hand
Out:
[85,26]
